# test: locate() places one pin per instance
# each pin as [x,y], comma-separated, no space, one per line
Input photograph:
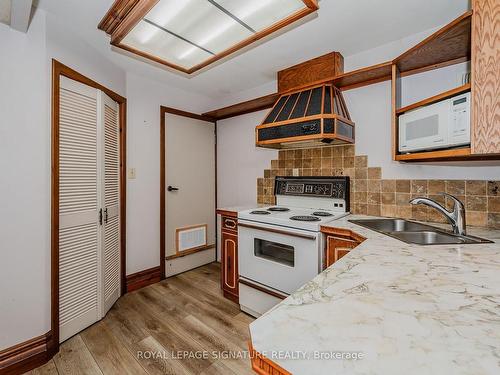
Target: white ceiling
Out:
[5,11]
[347,26]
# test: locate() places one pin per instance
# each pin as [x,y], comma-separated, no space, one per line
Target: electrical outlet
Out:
[131,173]
[295,172]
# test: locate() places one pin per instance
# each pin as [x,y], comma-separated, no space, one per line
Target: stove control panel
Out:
[328,187]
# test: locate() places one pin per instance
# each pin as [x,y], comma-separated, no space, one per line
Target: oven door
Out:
[281,258]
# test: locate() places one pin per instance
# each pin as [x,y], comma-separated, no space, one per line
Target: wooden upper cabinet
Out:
[470,37]
[485,77]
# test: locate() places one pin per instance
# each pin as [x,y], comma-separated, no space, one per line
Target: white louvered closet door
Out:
[79,204]
[111,202]
[89,206]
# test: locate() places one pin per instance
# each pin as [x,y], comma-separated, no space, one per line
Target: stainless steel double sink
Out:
[416,233]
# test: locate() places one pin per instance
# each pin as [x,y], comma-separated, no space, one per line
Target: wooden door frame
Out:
[163,213]
[58,70]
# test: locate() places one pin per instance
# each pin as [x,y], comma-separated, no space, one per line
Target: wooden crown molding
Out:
[174,111]
[116,14]
[249,106]
[311,4]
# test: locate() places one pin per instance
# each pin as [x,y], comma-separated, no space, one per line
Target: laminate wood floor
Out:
[182,325]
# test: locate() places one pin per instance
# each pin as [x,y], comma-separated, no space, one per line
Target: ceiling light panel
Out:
[153,41]
[260,14]
[200,22]
[190,34]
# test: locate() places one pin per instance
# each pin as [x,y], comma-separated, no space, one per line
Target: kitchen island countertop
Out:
[407,309]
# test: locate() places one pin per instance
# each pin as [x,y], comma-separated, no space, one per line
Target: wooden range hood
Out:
[310,111]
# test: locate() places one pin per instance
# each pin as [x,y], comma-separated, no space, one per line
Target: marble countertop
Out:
[404,309]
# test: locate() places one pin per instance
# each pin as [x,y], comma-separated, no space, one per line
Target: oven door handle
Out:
[279,231]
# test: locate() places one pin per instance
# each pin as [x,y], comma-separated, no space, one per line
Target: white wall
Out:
[239,162]
[71,50]
[24,185]
[144,99]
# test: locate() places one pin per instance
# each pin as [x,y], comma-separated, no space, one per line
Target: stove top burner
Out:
[260,212]
[305,218]
[322,213]
[278,209]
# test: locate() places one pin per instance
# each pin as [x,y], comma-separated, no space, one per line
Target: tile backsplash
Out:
[372,195]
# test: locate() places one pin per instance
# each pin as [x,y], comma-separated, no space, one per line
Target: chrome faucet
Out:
[456,217]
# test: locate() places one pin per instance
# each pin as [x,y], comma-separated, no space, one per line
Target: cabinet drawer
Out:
[229,223]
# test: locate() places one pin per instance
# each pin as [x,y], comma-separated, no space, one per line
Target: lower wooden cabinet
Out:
[230,265]
[264,366]
[229,258]
[336,248]
[339,242]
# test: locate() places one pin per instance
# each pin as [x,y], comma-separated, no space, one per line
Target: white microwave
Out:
[440,125]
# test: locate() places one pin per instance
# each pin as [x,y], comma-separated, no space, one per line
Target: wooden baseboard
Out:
[25,356]
[144,278]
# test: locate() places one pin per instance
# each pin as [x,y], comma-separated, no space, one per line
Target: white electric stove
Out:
[280,247]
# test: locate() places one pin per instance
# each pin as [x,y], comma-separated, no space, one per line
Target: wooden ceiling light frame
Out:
[124,15]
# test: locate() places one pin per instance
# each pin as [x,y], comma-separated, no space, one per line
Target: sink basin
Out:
[428,238]
[392,225]
[416,233]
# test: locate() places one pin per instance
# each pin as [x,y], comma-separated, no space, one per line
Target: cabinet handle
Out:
[100,216]
[231,224]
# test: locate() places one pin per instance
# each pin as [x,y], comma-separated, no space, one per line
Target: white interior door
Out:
[111,201]
[79,203]
[190,194]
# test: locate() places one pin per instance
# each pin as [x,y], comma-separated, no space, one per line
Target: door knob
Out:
[171,188]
